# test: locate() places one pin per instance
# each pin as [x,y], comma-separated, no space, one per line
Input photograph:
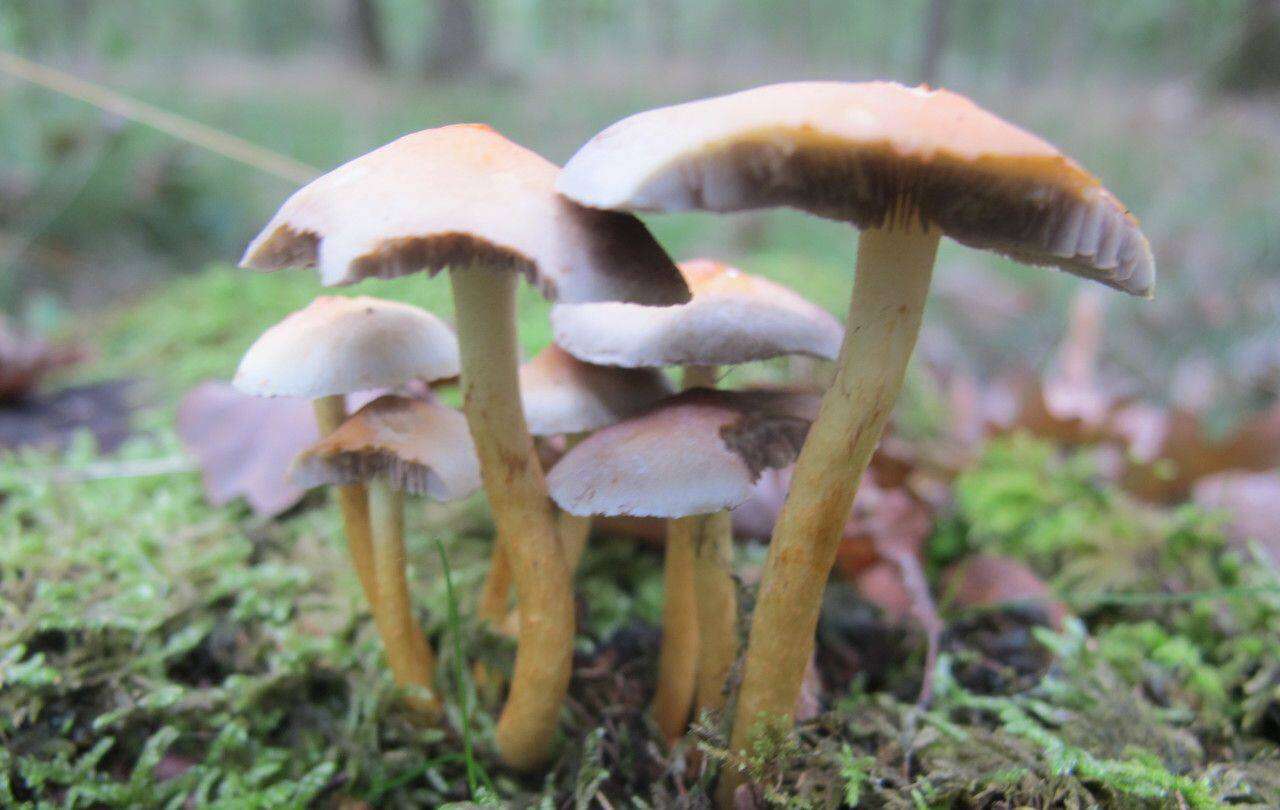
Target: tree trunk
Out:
[936,29]
[457,47]
[1254,62]
[364,21]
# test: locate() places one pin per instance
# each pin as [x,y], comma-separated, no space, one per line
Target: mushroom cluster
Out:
[905,166]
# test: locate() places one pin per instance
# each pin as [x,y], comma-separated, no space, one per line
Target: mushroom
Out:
[564,396]
[733,317]
[690,459]
[905,165]
[396,445]
[466,199]
[337,346]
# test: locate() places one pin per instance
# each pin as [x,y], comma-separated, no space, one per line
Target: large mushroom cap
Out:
[694,454]
[564,395]
[339,345]
[423,448]
[866,153]
[733,317]
[457,196]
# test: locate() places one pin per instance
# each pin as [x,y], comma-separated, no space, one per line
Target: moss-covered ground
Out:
[159,652]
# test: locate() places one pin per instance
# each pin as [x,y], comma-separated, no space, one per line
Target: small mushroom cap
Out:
[423,448]
[866,153]
[734,317]
[459,196]
[696,453]
[339,345]
[564,395]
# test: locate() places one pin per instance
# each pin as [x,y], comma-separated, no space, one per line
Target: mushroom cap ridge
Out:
[423,448]
[867,153]
[563,395]
[696,453]
[463,196]
[733,317]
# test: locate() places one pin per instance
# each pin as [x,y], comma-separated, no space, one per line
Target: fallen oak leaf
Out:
[1167,452]
[25,362]
[1068,405]
[988,581]
[51,420]
[245,444]
[1251,502]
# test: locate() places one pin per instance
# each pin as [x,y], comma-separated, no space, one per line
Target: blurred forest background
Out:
[1172,102]
[161,645]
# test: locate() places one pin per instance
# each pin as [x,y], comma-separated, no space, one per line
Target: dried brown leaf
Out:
[244,444]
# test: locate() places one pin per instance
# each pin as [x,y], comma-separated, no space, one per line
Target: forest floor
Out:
[156,651]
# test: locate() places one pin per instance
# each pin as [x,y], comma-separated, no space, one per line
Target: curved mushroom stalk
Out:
[410,657]
[495,592]
[678,654]
[565,396]
[331,411]
[396,445]
[894,268]
[513,480]
[688,459]
[337,346]
[905,165]
[717,609]
[573,530]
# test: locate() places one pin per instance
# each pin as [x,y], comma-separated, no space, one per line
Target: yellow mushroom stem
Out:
[678,655]
[495,592]
[717,601]
[573,530]
[408,652]
[485,303]
[330,413]
[895,264]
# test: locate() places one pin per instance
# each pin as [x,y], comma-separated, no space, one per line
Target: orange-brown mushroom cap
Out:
[733,317]
[423,448]
[870,154]
[459,196]
[696,453]
[564,395]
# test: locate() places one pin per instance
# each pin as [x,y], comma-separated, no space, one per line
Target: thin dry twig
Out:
[184,129]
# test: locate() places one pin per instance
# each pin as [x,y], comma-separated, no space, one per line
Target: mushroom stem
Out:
[496,591]
[513,480]
[408,653]
[678,655]
[895,264]
[573,529]
[715,593]
[330,412]
[717,601]
[699,377]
